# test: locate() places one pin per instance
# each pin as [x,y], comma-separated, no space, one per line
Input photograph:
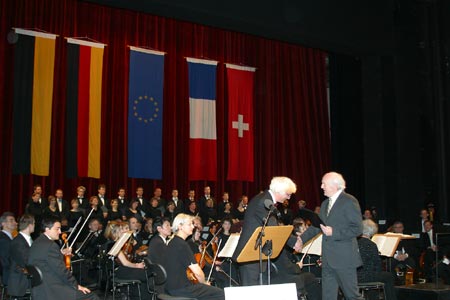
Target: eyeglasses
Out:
[288,196]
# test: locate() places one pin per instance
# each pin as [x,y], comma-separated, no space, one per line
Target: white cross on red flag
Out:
[241,81]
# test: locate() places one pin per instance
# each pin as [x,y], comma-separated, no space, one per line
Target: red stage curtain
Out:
[291,110]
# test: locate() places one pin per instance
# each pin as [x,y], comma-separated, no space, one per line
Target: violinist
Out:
[158,243]
[223,266]
[291,271]
[46,255]
[126,269]
[180,257]
[138,236]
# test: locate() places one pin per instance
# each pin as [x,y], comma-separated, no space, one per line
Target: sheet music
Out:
[230,246]
[387,244]
[313,246]
[119,244]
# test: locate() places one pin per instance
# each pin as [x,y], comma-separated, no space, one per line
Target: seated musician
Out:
[444,268]
[158,243]
[126,269]
[57,280]
[290,270]
[18,282]
[370,270]
[179,259]
[404,255]
[429,248]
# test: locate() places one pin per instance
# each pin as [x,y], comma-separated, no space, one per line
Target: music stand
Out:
[115,251]
[274,235]
[227,252]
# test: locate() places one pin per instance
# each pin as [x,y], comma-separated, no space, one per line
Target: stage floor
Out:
[423,291]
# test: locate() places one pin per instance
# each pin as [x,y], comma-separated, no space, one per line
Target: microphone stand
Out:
[258,244]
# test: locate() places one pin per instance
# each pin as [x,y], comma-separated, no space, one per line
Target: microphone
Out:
[273,210]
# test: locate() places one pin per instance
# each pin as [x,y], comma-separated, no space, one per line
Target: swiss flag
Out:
[240,122]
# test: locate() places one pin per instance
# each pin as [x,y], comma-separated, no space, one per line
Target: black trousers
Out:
[200,291]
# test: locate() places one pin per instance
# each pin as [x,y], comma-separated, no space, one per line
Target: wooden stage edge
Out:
[423,291]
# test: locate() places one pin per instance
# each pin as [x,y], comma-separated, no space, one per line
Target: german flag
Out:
[34,63]
[83,114]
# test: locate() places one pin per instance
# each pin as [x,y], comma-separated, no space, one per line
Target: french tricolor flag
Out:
[202,112]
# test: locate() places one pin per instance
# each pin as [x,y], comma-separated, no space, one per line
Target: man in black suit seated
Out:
[289,270]
[157,247]
[18,281]
[8,225]
[429,248]
[57,280]
[406,252]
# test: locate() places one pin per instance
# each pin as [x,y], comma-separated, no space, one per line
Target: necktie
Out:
[330,205]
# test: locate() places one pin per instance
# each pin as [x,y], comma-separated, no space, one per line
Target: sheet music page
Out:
[313,246]
[230,246]
[387,244]
[119,244]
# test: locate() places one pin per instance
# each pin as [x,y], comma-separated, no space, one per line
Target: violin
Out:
[67,257]
[203,257]
[127,248]
[201,261]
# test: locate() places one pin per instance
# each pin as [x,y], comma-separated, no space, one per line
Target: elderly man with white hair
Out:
[281,188]
[343,224]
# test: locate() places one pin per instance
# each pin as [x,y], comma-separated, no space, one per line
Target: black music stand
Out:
[114,252]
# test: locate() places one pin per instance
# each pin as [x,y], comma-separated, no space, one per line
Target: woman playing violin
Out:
[126,269]
[180,258]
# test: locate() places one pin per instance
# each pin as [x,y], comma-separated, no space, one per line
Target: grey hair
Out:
[181,219]
[282,184]
[338,180]
[369,228]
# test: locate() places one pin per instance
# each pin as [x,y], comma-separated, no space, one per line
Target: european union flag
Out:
[145,113]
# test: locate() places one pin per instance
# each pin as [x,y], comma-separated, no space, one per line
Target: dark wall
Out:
[350,26]
[402,128]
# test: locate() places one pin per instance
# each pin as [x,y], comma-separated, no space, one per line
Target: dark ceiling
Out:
[346,26]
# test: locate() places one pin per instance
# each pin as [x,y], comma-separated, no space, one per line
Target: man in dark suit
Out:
[340,256]
[206,195]
[18,282]
[36,210]
[8,225]
[82,198]
[63,205]
[102,200]
[179,205]
[57,281]
[124,203]
[37,189]
[144,204]
[280,189]
[428,245]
